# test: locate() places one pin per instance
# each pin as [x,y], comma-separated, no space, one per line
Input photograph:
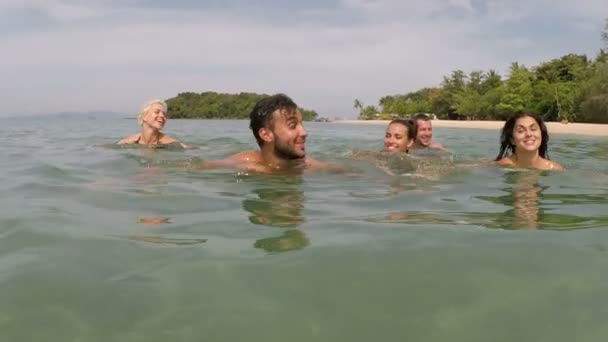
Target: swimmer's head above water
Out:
[400,135]
[524,142]
[277,126]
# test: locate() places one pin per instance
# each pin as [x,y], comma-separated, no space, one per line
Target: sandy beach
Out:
[554,127]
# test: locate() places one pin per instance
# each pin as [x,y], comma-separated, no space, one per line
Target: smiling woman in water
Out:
[399,136]
[523,143]
[152,118]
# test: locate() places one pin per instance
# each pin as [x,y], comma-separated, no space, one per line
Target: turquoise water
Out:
[470,254]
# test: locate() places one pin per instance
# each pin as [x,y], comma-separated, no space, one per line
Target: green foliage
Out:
[594,99]
[605,33]
[556,101]
[368,113]
[569,68]
[212,105]
[572,87]
[518,90]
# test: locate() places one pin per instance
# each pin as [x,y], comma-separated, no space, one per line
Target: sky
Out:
[113,55]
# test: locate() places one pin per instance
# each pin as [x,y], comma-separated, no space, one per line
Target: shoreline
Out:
[553,127]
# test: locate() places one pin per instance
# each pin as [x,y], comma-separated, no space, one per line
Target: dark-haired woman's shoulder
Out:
[507,162]
[551,165]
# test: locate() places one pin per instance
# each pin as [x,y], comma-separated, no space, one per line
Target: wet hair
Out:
[421,116]
[409,124]
[146,107]
[261,114]
[506,135]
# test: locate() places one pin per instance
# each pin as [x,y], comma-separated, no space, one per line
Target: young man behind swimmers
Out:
[424,133]
[277,126]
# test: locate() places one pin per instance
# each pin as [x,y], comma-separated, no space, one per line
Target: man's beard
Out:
[283,151]
[426,143]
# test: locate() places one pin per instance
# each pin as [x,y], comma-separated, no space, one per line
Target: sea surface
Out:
[101,243]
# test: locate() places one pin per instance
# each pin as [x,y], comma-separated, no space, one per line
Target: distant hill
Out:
[212,105]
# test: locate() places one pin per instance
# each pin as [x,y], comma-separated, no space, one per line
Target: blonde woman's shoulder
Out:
[132,139]
[165,140]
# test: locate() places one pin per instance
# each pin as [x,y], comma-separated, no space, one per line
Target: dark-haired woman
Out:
[399,136]
[523,143]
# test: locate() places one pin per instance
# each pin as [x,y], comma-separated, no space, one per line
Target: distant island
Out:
[572,88]
[212,105]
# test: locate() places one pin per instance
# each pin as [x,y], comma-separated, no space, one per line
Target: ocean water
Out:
[99,243]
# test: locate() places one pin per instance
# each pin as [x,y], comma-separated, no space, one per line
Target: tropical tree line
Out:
[212,105]
[572,87]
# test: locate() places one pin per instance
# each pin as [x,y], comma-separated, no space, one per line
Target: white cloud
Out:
[100,57]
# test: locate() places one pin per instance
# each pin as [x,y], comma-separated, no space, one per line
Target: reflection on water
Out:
[153,221]
[292,239]
[429,165]
[141,236]
[526,194]
[165,147]
[162,240]
[76,264]
[279,205]
[530,205]
[276,207]
[412,217]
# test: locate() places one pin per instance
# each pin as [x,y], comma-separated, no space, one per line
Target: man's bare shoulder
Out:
[437,145]
[246,157]
[131,139]
[239,160]
[316,165]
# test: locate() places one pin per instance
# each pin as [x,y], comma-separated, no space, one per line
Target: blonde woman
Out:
[152,118]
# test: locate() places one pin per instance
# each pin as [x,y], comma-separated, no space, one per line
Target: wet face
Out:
[155,117]
[289,135]
[396,138]
[424,137]
[527,135]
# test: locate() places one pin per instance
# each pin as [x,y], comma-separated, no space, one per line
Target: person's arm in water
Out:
[241,160]
[438,146]
[314,165]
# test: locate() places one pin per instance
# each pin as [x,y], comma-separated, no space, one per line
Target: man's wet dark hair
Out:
[506,146]
[261,114]
[421,116]
[409,124]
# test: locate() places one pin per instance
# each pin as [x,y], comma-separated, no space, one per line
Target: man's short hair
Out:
[421,116]
[261,114]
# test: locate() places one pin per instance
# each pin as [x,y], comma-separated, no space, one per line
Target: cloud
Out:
[88,55]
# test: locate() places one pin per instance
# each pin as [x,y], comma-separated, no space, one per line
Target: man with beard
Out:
[277,126]
[424,135]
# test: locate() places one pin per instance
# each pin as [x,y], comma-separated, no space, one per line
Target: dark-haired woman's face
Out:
[527,135]
[396,138]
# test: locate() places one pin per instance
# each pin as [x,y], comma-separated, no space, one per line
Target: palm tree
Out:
[358,104]
[605,33]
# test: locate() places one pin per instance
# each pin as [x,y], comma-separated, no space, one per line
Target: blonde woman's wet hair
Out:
[146,107]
